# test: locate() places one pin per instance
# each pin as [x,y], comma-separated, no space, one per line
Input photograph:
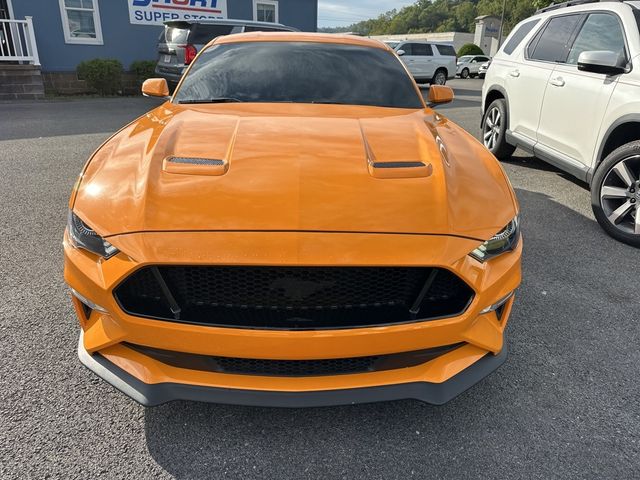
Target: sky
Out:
[337,13]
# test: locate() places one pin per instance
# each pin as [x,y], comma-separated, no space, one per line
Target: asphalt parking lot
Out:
[565,405]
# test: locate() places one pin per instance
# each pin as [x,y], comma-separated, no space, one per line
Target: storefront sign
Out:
[155,12]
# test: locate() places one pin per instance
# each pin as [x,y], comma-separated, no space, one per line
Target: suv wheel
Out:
[464,73]
[439,78]
[494,127]
[615,194]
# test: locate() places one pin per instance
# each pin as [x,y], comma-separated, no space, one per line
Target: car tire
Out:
[440,77]
[494,128]
[615,194]
[464,73]
[481,76]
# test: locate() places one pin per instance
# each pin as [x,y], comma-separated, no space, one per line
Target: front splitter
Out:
[158,393]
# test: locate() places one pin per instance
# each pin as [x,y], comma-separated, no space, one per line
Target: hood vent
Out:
[397,164]
[195,166]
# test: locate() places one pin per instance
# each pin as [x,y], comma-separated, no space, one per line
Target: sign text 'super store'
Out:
[155,12]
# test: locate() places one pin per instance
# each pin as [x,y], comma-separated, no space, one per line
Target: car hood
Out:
[291,167]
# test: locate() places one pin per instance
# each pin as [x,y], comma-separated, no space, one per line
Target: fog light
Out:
[497,305]
[87,302]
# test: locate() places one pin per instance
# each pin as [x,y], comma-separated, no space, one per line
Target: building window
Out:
[265,11]
[81,22]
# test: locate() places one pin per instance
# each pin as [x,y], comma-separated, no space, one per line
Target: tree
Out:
[426,16]
[470,49]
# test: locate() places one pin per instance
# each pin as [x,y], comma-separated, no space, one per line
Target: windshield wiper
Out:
[327,102]
[212,100]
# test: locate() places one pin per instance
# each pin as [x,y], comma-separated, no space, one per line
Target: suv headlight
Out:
[503,241]
[83,236]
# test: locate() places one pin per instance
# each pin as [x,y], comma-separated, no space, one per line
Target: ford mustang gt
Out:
[295,226]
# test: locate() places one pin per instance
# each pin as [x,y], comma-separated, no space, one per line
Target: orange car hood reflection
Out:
[295,167]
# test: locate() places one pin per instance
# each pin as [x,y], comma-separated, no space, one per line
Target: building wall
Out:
[124,41]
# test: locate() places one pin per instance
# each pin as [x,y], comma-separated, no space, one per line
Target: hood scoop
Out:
[395,168]
[195,166]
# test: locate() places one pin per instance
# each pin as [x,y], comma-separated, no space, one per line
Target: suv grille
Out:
[292,297]
[293,368]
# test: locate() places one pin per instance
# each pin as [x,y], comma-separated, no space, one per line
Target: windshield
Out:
[299,72]
[465,58]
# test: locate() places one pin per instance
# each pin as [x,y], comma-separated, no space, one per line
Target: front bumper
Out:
[151,395]
[106,334]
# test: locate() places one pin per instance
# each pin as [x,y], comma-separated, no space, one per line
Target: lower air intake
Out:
[294,368]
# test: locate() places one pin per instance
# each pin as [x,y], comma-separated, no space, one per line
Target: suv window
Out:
[446,50]
[299,72]
[551,44]
[601,31]
[407,49]
[422,49]
[519,35]
[174,35]
[202,34]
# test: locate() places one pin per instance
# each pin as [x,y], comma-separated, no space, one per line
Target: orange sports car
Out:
[293,227]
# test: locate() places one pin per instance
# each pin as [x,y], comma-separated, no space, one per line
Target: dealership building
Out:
[54,36]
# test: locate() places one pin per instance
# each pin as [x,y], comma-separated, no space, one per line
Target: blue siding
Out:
[128,42]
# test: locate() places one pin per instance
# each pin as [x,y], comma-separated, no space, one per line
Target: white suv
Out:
[566,87]
[428,62]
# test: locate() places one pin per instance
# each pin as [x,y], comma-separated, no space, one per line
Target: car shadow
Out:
[526,160]
[507,412]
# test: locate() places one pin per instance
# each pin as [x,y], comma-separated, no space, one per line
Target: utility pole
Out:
[504,7]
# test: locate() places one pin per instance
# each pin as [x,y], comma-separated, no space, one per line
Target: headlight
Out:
[83,236]
[503,241]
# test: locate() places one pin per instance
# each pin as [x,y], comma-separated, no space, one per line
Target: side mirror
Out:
[155,87]
[439,94]
[400,52]
[601,61]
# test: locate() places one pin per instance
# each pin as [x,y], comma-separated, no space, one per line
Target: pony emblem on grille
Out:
[298,290]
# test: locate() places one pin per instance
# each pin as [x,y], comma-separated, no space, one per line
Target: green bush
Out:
[470,49]
[143,69]
[102,74]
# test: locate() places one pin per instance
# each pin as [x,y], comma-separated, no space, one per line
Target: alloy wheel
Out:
[441,78]
[620,195]
[491,130]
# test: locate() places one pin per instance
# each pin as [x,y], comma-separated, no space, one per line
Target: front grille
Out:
[294,298]
[293,368]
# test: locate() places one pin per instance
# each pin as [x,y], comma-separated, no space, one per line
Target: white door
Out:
[575,101]
[527,79]
[411,60]
[425,52]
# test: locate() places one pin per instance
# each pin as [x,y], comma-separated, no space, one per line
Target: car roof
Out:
[187,23]
[572,6]
[420,40]
[300,37]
